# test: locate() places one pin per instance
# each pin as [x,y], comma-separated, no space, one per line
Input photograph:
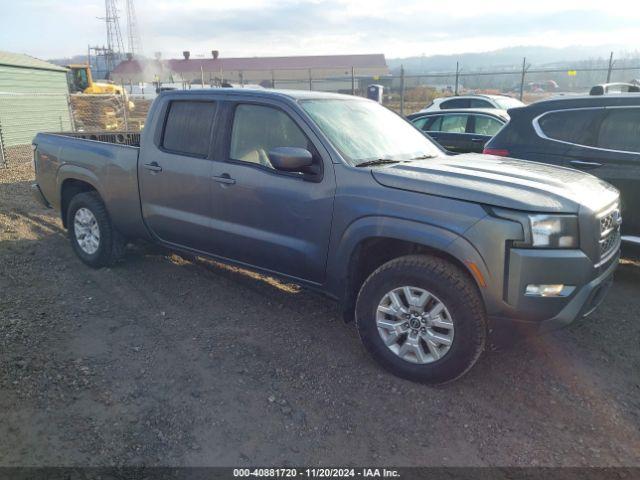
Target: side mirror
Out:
[291,159]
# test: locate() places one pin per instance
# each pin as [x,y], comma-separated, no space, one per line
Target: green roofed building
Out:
[33,98]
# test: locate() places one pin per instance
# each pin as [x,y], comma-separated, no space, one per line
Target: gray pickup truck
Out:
[430,253]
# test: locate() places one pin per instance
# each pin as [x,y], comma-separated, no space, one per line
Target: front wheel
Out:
[92,235]
[422,318]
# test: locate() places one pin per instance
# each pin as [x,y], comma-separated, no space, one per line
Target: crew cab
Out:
[428,252]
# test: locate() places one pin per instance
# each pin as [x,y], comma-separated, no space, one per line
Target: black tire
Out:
[451,286]
[111,245]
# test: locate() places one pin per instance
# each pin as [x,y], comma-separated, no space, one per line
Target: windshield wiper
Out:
[377,161]
[423,157]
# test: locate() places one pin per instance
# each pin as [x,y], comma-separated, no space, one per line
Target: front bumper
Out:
[524,314]
[588,298]
[37,194]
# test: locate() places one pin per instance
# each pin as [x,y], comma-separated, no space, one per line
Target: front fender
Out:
[430,236]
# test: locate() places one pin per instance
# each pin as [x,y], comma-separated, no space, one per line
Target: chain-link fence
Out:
[22,116]
[96,113]
[408,91]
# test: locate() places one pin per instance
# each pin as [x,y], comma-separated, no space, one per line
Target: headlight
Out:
[554,231]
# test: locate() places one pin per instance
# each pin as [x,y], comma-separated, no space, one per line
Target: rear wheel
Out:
[422,318]
[92,235]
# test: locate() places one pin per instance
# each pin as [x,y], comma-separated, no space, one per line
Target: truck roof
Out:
[262,93]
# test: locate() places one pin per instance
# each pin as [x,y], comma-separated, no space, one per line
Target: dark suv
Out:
[600,135]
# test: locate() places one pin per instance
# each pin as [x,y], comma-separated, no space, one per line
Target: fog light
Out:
[557,290]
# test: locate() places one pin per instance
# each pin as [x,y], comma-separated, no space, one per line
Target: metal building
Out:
[33,98]
[315,72]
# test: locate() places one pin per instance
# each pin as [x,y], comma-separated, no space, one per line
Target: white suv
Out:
[501,102]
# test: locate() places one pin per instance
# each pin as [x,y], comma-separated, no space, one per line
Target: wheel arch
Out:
[375,241]
[70,186]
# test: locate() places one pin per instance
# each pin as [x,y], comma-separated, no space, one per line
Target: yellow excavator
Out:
[81,81]
[91,114]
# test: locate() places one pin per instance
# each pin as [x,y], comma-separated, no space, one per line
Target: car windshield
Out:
[364,131]
[505,103]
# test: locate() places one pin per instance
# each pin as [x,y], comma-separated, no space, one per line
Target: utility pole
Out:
[524,71]
[455,91]
[610,67]
[401,89]
[353,81]
[310,81]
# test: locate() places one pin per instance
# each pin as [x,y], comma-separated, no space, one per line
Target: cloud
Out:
[286,27]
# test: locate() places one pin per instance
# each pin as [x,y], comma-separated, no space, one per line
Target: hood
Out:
[501,182]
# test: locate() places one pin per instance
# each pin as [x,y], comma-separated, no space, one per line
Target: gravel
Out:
[164,360]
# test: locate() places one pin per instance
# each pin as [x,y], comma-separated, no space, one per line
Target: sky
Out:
[400,28]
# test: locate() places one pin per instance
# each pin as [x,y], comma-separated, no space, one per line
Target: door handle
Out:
[225,179]
[584,165]
[153,166]
[478,140]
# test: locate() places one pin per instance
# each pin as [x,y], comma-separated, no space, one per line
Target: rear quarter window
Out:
[573,126]
[620,130]
[420,122]
[455,103]
[476,103]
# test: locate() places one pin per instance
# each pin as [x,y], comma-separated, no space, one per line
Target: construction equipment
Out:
[81,81]
[110,112]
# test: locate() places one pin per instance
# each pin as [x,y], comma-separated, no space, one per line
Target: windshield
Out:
[505,103]
[362,131]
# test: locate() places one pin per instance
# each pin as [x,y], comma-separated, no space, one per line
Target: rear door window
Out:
[188,127]
[454,123]
[573,126]
[455,103]
[485,125]
[620,130]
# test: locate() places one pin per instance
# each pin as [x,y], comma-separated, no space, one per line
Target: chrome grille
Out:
[609,231]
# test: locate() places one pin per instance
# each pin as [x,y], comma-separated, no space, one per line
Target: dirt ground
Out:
[164,361]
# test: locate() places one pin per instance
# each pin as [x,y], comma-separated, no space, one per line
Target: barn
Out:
[33,98]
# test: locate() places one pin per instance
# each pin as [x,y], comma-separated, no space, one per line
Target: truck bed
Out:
[107,161]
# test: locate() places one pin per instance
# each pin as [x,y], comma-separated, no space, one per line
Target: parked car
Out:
[615,88]
[461,131]
[428,252]
[501,102]
[597,134]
